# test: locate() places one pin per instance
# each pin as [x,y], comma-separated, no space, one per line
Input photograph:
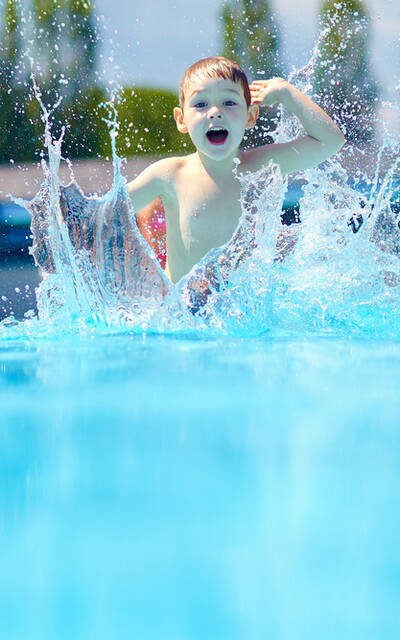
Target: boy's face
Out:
[215,115]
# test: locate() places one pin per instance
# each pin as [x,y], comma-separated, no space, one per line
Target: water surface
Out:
[176,487]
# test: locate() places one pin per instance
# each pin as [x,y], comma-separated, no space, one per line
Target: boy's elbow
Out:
[335,143]
[342,140]
[339,140]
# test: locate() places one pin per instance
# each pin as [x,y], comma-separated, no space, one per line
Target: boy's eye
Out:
[230,103]
[200,105]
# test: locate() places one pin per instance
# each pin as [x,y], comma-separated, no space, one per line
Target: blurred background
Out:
[86,51]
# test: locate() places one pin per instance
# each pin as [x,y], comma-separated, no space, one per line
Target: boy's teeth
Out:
[217,135]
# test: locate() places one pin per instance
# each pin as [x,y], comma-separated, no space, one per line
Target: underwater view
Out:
[216,457]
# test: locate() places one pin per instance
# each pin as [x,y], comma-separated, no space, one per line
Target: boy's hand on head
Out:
[268,92]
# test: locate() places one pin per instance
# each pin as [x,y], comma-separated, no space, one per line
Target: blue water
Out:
[337,272]
[179,488]
[214,461]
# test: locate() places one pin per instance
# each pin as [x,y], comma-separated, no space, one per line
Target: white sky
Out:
[157,39]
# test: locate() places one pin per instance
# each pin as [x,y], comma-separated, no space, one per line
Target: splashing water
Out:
[339,271]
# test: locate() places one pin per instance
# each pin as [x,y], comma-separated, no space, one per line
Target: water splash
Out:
[98,270]
[338,271]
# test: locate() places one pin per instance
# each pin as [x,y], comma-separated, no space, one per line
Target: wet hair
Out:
[214,67]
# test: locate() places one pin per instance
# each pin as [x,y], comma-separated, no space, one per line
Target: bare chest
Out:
[208,214]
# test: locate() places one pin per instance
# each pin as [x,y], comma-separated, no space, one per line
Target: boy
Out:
[199,191]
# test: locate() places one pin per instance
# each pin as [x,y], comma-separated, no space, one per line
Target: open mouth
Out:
[217,135]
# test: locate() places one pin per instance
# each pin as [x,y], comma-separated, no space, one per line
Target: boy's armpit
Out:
[155,181]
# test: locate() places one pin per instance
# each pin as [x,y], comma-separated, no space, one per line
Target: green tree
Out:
[17,133]
[343,81]
[84,39]
[67,61]
[251,38]
[146,124]
[66,51]
[49,51]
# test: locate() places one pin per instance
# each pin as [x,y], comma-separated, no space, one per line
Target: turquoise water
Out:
[177,487]
[337,272]
[216,459]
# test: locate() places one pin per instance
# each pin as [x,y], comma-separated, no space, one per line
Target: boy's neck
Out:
[217,168]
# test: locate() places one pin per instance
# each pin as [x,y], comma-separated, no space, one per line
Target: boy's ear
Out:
[253,115]
[178,116]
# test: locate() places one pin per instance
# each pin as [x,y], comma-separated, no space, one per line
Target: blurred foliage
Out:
[66,60]
[344,85]
[147,125]
[44,9]
[65,65]
[82,119]
[251,38]
[66,48]
[17,139]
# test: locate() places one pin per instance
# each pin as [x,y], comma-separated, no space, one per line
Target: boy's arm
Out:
[154,181]
[324,137]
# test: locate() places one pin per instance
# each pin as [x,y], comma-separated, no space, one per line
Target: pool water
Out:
[217,459]
[182,488]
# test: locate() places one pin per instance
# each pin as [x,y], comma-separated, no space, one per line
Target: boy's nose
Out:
[214,113]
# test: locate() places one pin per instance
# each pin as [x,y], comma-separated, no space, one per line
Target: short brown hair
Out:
[215,67]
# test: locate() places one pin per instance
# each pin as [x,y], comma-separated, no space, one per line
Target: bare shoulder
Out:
[161,171]
[156,180]
[254,159]
[167,167]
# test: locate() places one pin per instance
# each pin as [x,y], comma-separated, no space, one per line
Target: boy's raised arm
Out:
[152,182]
[323,140]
